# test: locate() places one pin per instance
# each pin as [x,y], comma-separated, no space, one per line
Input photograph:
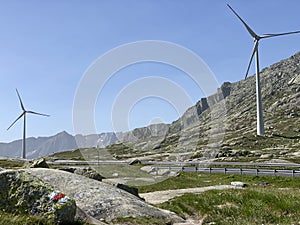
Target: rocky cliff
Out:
[224,124]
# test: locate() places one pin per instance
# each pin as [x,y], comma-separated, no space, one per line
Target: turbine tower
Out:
[24,126]
[257,38]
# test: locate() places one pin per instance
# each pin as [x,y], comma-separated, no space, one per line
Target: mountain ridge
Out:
[232,107]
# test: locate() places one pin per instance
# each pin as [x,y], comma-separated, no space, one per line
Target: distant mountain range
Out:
[200,126]
[41,146]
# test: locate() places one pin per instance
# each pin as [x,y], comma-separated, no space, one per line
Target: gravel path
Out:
[158,197]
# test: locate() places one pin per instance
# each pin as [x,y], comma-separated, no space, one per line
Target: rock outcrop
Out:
[99,200]
[23,193]
[39,163]
[87,172]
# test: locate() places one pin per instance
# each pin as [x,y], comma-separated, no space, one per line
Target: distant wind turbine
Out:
[260,120]
[24,127]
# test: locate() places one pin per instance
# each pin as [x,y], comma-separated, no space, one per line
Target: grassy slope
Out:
[8,164]
[256,204]
[10,219]
[252,206]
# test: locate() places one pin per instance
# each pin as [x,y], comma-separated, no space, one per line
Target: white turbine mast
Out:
[257,38]
[24,126]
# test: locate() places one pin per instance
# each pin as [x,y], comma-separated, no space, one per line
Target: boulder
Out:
[134,162]
[238,184]
[39,163]
[99,200]
[23,193]
[87,172]
[132,190]
[266,156]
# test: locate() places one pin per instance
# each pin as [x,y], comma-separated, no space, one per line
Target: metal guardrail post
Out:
[210,170]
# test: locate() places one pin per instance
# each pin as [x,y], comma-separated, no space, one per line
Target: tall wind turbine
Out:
[24,126]
[260,120]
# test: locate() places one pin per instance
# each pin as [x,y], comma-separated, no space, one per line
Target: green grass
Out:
[11,219]
[190,180]
[143,221]
[9,164]
[249,206]
[253,205]
[66,155]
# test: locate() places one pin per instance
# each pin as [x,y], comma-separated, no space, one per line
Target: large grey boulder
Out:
[23,193]
[99,200]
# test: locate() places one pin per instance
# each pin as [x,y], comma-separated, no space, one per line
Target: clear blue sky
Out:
[46,46]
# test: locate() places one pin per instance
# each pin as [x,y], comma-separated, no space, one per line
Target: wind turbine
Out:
[257,38]
[24,126]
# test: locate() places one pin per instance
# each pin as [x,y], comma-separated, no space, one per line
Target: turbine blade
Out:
[280,34]
[21,103]
[252,33]
[15,120]
[37,113]
[252,55]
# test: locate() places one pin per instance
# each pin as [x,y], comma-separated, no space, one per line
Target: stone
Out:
[23,193]
[68,169]
[295,80]
[135,161]
[263,184]
[87,172]
[132,190]
[284,152]
[39,163]
[238,184]
[101,201]
[266,156]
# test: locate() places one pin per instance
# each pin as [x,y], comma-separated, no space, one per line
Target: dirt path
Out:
[158,197]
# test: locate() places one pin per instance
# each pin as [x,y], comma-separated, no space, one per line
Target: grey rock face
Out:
[100,200]
[22,193]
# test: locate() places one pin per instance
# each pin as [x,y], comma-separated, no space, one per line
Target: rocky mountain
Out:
[224,125]
[221,125]
[41,146]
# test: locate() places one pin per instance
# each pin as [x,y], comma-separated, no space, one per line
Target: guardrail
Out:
[241,171]
[200,167]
